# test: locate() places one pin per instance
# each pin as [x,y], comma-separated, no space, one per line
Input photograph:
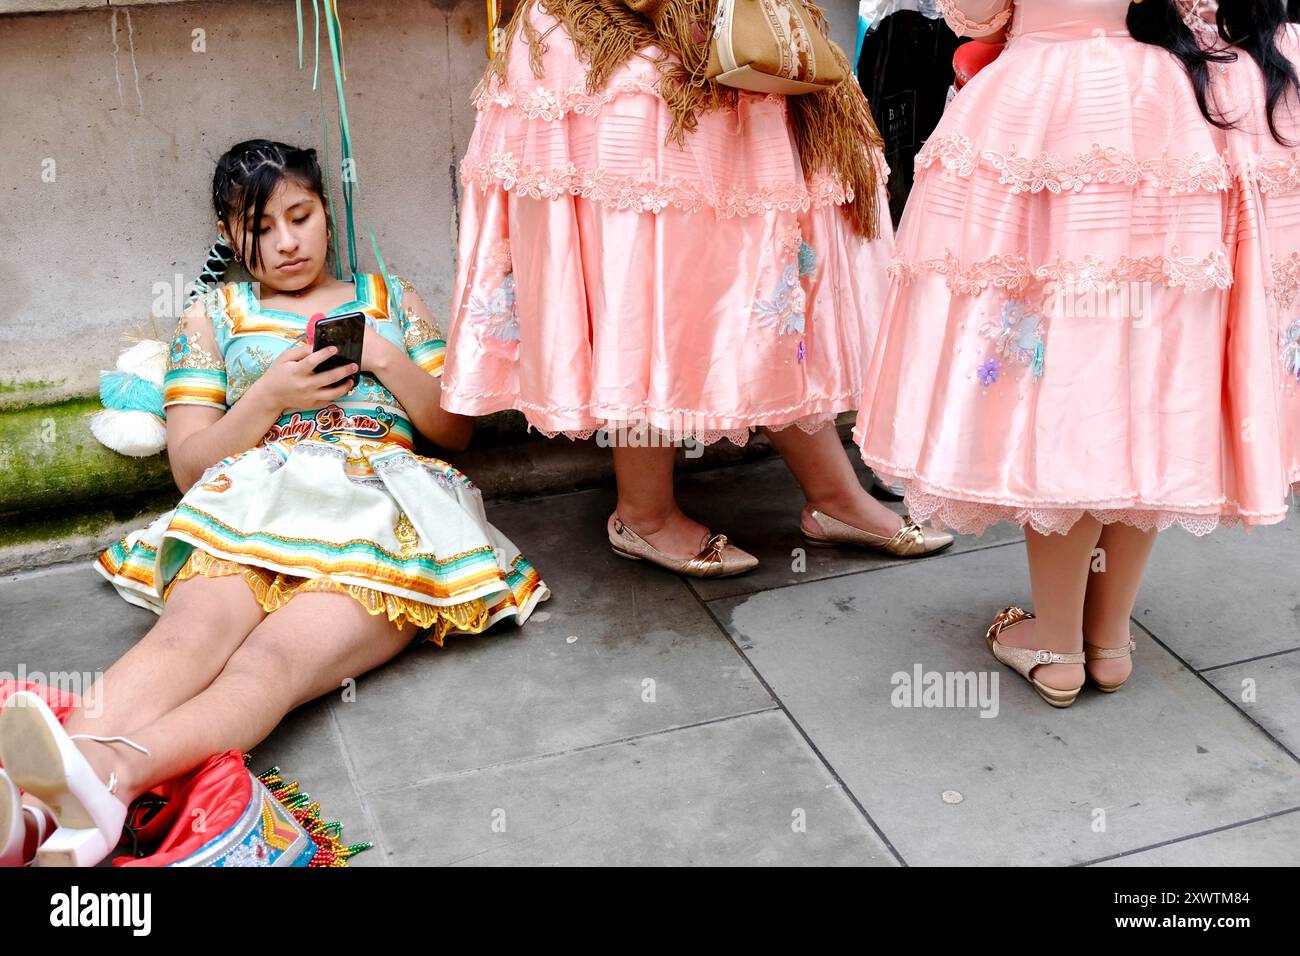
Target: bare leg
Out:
[647,505]
[203,622]
[1058,575]
[824,472]
[1108,605]
[297,653]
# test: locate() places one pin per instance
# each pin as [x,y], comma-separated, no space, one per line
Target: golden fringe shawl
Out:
[833,129]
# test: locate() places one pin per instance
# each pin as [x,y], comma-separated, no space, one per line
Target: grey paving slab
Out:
[307,747]
[729,793]
[65,618]
[646,657]
[1274,841]
[758,507]
[1226,596]
[1268,689]
[1163,758]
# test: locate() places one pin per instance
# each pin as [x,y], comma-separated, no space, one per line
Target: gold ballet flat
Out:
[911,540]
[1093,652]
[717,559]
[1023,660]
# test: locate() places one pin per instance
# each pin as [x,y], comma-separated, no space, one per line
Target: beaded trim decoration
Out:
[330,849]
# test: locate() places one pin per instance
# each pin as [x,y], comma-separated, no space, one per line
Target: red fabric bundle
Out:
[972,57]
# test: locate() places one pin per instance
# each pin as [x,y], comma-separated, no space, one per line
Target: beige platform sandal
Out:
[1094,653]
[1023,661]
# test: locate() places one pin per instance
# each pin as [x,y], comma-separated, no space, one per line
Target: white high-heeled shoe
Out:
[13,828]
[41,757]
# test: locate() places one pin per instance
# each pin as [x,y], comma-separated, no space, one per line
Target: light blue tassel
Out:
[807,260]
[1038,359]
[125,392]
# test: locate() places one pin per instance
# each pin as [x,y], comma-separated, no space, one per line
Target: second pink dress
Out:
[1063,335]
[607,279]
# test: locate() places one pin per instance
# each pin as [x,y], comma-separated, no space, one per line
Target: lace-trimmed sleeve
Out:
[1199,15]
[196,371]
[425,341]
[976,18]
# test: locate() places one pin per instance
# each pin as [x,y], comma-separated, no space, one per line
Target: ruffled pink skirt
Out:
[1061,335]
[606,279]
[1265,225]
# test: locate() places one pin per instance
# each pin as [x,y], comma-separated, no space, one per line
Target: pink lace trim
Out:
[1278,176]
[1286,279]
[549,104]
[1195,13]
[962,511]
[1048,171]
[964,26]
[972,517]
[704,436]
[646,194]
[810,422]
[1014,274]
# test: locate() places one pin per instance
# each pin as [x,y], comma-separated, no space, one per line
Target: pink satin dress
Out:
[1058,338]
[606,279]
[1265,226]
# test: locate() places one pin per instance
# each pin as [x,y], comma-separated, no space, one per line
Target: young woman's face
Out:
[292,238]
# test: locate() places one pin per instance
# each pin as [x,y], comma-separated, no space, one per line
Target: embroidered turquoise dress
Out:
[332,498]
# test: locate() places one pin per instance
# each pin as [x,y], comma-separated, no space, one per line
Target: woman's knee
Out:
[213,610]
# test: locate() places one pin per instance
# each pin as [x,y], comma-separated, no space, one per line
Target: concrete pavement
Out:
[641,718]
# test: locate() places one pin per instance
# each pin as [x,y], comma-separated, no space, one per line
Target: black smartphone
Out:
[346,332]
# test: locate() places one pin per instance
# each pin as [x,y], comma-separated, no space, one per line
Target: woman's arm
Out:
[199,437]
[417,387]
[982,19]
[201,429]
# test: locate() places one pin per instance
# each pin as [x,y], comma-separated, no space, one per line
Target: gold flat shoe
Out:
[717,559]
[911,540]
[1023,661]
[1093,652]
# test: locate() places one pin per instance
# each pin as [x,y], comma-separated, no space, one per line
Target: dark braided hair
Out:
[1252,25]
[248,173]
[214,268]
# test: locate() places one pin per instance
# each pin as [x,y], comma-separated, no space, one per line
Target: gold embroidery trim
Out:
[194,355]
[273,590]
[418,329]
[485,549]
[407,536]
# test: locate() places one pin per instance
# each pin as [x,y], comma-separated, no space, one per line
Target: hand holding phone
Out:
[345,332]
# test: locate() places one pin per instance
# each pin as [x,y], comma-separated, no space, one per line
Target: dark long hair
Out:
[1250,24]
[1253,25]
[248,173]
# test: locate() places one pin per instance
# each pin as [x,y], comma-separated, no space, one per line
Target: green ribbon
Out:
[347,161]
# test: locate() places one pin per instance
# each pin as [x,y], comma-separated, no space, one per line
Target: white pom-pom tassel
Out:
[147,359]
[138,434]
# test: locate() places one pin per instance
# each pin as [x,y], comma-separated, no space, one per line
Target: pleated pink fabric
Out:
[606,279]
[1061,336]
[1265,226]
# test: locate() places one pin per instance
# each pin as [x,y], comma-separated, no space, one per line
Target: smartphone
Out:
[346,331]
